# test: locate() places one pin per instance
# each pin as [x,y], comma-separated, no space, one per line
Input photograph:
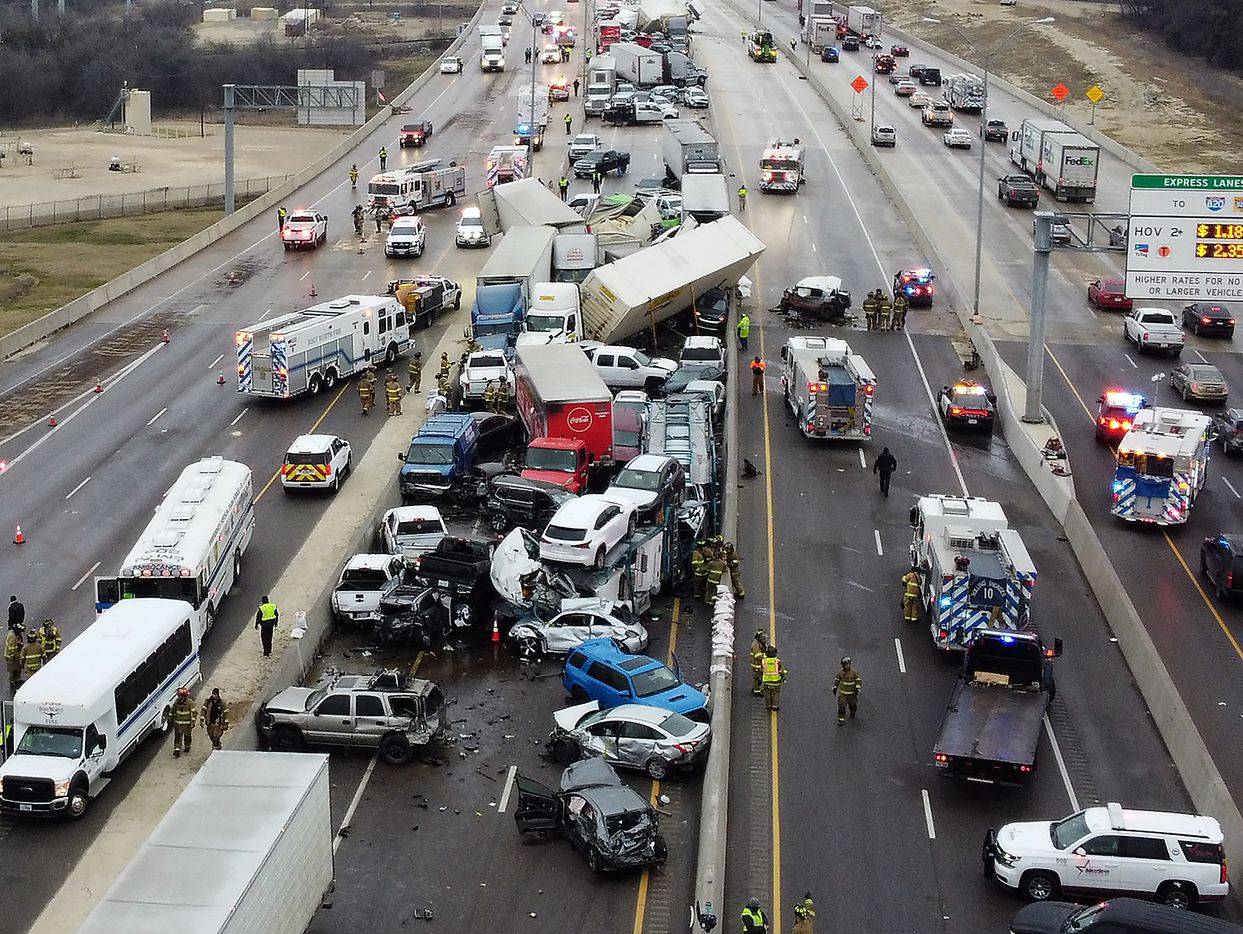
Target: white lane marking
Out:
[1203,359]
[89,395]
[78,487]
[932,830]
[805,220]
[304,275]
[879,548]
[861,586]
[1061,765]
[215,269]
[862,460]
[197,308]
[813,248]
[358,795]
[509,788]
[239,416]
[919,365]
[897,645]
[157,415]
[89,571]
[266,313]
[1231,485]
[367,275]
[1130,361]
[212,365]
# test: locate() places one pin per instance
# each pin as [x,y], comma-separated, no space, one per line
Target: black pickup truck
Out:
[1017,189]
[992,724]
[459,566]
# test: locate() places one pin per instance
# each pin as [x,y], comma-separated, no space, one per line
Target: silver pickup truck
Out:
[365,581]
[385,711]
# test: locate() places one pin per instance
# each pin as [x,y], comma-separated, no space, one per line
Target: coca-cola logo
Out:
[579,419]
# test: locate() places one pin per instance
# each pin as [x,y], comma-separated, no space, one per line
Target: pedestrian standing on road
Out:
[754,921]
[596,179]
[392,393]
[793,44]
[805,916]
[383,157]
[415,371]
[445,365]
[17,614]
[266,619]
[183,723]
[281,214]
[759,645]
[489,395]
[846,689]
[911,585]
[565,53]
[568,122]
[215,717]
[13,659]
[576,87]
[772,677]
[563,184]
[744,330]
[884,467]
[757,376]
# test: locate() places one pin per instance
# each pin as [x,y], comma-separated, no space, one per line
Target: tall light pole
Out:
[979,201]
[875,53]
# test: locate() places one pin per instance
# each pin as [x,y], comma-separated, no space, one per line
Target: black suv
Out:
[1116,916]
[1221,561]
[603,161]
[516,501]
[1209,318]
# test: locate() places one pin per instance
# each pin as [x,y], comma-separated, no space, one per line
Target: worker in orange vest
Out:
[757,376]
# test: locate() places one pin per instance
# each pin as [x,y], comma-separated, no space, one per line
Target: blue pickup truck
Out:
[441,458]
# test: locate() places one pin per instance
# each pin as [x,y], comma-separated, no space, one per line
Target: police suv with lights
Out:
[966,404]
[1176,858]
[916,285]
[1116,413]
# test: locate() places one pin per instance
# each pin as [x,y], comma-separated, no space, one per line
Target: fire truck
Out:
[975,571]
[505,164]
[415,187]
[781,166]
[830,390]
[1162,466]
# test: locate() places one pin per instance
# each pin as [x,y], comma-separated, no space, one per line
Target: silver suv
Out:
[385,710]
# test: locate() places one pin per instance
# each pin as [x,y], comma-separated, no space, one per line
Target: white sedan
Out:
[451,65]
[583,530]
[957,138]
[579,620]
[696,98]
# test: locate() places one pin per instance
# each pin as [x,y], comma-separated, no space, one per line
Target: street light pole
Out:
[1032,413]
[875,53]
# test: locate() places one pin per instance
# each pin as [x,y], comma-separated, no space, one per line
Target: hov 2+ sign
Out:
[1185,238]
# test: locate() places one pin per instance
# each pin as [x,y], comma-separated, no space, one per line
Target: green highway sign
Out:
[1188,182]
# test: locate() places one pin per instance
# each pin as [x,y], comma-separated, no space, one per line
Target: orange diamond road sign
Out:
[859,84]
[1094,94]
[1059,92]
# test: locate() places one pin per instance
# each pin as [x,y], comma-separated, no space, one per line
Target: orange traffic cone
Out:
[496,633]
[164,337]
[220,379]
[99,386]
[51,421]
[313,292]
[18,537]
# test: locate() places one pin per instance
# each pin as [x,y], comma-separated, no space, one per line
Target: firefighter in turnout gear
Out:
[900,307]
[734,563]
[502,396]
[883,310]
[699,570]
[366,393]
[183,722]
[846,689]
[759,645]
[489,396]
[392,393]
[32,654]
[442,385]
[445,366]
[215,717]
[49,637]
[805,916]
[415,371]
[716,570]
[772,677]
[911,585]
[871,307]
[13,659]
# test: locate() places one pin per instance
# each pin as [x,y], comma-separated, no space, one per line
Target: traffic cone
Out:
[18,537]
[313,292]
[496,633]
[164,336]
[99,386]
[51,421]
[220,379]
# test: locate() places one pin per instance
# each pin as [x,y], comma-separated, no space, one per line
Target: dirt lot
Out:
[44,268]
[172,163]
[1174,110]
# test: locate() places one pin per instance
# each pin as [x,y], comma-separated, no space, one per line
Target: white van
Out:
[555,315]
[83,712]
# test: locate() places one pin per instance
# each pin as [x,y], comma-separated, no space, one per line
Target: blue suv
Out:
[598,670]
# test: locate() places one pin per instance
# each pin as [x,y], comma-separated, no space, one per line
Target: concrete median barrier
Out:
[110,291]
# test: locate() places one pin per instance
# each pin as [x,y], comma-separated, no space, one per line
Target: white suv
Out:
[315,462]
[1177,858]
[407,237]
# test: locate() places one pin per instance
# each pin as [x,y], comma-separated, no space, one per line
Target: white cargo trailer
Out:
[247,847]
[1068,166]
[525,203]
[638,64]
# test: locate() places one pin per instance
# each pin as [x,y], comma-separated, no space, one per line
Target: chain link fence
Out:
[98,207]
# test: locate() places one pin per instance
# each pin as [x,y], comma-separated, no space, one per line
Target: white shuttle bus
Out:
[192,550]
[83,712]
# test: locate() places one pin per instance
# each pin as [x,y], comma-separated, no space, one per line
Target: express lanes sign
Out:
[1185,238]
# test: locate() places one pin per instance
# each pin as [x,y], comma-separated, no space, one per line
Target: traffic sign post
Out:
[1094,94]
[1185,238]
[860,85]
[1060,92]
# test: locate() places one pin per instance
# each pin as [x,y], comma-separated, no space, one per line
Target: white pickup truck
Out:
[365,581]
[1154,329]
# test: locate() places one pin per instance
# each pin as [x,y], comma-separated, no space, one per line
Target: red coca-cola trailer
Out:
[560,395]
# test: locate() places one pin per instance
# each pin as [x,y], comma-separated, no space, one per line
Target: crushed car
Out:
[634,736]
[820,297]
[606,820]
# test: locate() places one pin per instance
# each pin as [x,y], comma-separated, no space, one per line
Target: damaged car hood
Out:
[513,567]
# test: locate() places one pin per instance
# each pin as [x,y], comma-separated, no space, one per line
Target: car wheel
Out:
[237,567]
[286,739]
[594,862]
[578,696]
[1039,886]
[450,199]
[330,379]
[78,801]
[395,749]
[632,525]
[656,769]
[390,355]
[498,522]
[457,302]
[336,483]
[599,562]
[1177,895]
[166,720]
[315,385]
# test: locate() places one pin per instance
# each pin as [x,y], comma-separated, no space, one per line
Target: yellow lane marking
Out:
[319,421]
[1182,562]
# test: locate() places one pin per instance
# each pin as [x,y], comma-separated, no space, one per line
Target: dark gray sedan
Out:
[1202,382]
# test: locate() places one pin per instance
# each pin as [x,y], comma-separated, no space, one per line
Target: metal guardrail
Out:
[98,207]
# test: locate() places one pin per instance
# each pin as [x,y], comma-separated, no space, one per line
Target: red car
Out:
[899,51]
[1108,295]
